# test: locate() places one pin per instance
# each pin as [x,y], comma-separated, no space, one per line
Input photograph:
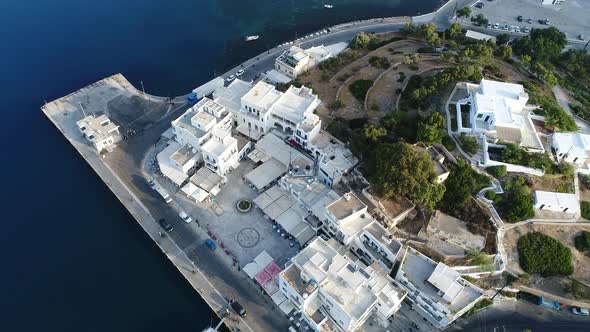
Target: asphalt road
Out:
[515,316]
[232,284]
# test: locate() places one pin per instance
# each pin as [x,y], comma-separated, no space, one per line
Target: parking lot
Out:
[571,17]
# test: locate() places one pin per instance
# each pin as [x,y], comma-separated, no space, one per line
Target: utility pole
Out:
[142,89]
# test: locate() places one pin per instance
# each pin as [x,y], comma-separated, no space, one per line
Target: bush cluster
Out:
[539,253]
[497,171]
[582,241]
[359,88]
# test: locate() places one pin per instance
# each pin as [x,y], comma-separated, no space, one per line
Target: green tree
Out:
[460,185]
[517,203]
[497,171]
[430,34]
[582,240]
[479,20]
[539,253]
[361,40]
[542,45]
[469,144]
[454,31]
[359,89]
[431,129]
[502,38]
[504,52]
[464,12]
[400,170]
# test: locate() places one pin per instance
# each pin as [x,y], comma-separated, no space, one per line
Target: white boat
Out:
[251,38]
[328,6]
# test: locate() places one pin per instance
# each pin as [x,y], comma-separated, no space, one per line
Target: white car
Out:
[497,26]
[151,183]
[231,78]
[580,311]
[239,73]
[185,217]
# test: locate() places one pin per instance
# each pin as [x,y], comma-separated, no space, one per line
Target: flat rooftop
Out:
[206,179]
[262,95]
[295,103]
[184,154]
[231,95]
[384,237]
[418,269]
[184,122]
[346,206]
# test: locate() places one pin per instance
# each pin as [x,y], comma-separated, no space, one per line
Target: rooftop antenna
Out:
[83,111]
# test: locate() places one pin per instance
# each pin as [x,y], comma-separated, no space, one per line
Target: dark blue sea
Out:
[73,259]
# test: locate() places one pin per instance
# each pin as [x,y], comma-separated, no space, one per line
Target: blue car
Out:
[211,244]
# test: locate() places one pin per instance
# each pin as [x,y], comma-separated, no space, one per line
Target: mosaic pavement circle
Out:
[248,237]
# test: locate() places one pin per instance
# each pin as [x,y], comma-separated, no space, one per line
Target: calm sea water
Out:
[73,258]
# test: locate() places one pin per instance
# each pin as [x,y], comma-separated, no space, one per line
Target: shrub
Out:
[516,204]
[497,171]
[402,76]
[539,253]
[336,104]
[582,241]
[379,62]
[468,143]
[478,306]
[359,88]
[585,209]
[449,143]
[414,67]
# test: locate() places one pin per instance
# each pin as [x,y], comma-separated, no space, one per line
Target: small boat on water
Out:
[251,38]
[328,6]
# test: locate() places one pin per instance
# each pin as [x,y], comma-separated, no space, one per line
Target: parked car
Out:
[530,21]
[497,26]
[581,37]
[519,18]
[526,29]
[231,78]
[211,244]
[239,73]
[165,225]
[187,219]
[151,183]
[479,5]
[506,27]
[489,25]
[580,311]
[237,307]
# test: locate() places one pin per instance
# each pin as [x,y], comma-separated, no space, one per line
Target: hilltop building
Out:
[557,202]
[497,110]
[571,147]
[336,292]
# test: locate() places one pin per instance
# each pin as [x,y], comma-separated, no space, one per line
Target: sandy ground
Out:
[565,234]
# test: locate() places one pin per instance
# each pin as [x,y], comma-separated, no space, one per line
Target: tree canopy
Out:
[539,253]
[542,45]
[464,12]
[431,128]
[460,185]
[401,170]
[516,203]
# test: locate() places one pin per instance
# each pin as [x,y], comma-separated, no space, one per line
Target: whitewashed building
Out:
[100,131]
[497,110]
[205,130]
[264,108]
[296,60]
[558,202]
[571,147]
[437,291]
[336,292]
